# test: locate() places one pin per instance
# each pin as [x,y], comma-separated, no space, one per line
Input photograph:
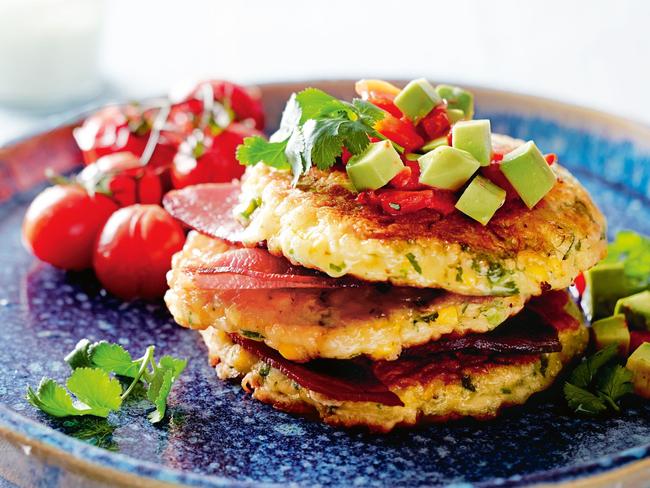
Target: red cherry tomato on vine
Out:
[134,251]
[204,158]
[122,128]
[124,179]
[245,103]
[62,223]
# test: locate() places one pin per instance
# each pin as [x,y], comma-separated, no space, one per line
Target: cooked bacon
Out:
[207,208]
[519,340]
[254,268]
[528,332]
[337,379]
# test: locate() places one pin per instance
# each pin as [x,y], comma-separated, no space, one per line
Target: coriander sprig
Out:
[315,127]
[95,388]
[598,383]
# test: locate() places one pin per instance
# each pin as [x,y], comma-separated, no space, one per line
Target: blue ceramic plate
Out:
[216,435]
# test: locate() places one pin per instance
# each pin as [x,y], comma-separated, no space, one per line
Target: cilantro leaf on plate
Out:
[113,358]
[96,389]
[168,370]
[614,383]
[581,401]
[53,399]
[158,392]
[583,375]
[78,357]
[97,392]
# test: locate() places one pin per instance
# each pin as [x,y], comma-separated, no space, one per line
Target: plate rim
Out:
[16,427]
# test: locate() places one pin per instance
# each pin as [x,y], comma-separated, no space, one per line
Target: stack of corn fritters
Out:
[440,317]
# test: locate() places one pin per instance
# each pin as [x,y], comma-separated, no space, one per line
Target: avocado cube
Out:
[639,364]
[475,137]
[636,309]
[612,330]
[374,167]
[454,115]
[457,99]
[417,99]
[481,199]
[447,168]
[434,143]
[528,172]
[606,283]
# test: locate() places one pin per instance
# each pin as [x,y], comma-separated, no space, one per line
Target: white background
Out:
[592,53]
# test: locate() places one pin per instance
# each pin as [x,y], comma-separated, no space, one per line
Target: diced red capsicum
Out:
[387,105]
[400,131]
[408,178]
[493,173]
[399,202]
[436,123]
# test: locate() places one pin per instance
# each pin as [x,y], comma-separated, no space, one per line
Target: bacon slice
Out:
[207,208]
[255,268]
[519,340]
[528,332]
[337,379]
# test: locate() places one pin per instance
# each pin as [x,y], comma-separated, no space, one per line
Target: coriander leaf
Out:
[53,399]
[78,357]
[322,142]
[95,388]
[175,365]
[583,375]
[581,401]
[313,102]
[369,113]
[256,149]
[159,389]
[290,120]
[113,358]
[295,147]
[167,371]
[614,383]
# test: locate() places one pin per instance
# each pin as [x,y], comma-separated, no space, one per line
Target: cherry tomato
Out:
[122,128]
[122,177]
[400,131]
[436,123]
[134,251]
[62,223]
[245,103]
[206,158]
[398,202]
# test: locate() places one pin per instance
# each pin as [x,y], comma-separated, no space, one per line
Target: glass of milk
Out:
[49,52]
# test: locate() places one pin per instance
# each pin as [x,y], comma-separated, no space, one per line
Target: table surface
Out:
[591,55]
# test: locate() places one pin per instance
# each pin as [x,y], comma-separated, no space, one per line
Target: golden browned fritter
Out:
[478,392]
[318,224]
[378,321]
